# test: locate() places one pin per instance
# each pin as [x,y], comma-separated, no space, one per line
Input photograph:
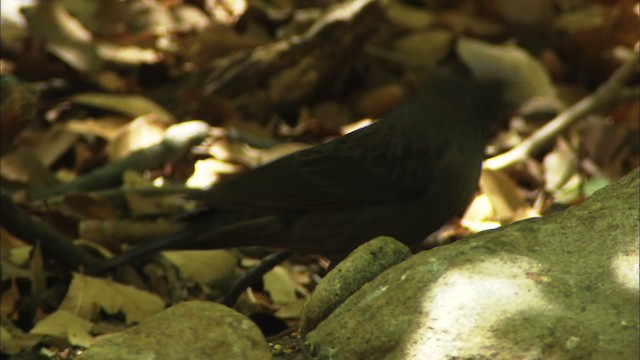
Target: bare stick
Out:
[607,92]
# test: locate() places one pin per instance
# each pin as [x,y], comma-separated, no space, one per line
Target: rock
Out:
[190,330]
[562,287]
[360,267]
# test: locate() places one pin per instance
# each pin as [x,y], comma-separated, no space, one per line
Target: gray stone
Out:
[560,287]
[360,267]
[191,330]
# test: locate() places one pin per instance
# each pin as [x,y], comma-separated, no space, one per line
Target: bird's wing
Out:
[368,166]
[441,127]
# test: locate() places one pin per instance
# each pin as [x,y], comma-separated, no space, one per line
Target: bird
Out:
[403,176]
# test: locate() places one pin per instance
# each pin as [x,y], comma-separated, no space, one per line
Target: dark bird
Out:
[403,176]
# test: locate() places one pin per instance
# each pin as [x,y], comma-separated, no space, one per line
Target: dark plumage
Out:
[403,176]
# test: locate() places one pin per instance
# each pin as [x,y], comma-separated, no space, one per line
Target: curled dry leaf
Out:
[207,172]
[559,166]
[479,215]
[507,202]
[523,75]
[65,36]
[144,131]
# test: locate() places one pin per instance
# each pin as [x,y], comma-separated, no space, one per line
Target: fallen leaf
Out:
[503,194]
[143,132]
[280,286]
[559,166]
[65,36]
[408,16]
[86,295]
[425,47]
[205,266]
[65,325]
[523,75]
[132,105]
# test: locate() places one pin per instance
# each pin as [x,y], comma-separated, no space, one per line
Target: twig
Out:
[178,139]
[29,229]
[607,92]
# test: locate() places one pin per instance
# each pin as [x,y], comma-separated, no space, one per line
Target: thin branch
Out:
[178,139]
[28,228]
[607,92]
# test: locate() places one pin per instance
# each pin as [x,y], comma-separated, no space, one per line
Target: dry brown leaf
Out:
[408,16]
[13,31]
[8,243]
[38,276]
[18,109]
[460,22]
[209,267]
[132,105]
[330,115]
[503,194]
[524,13]
[87,295]
[65,36]
[141,133]
[291,310]
[87,206]
[145,204]
[111,81]
[379,100]
[559,166]
[128,55]
[24,166]
[63,324]
[523,75]
[106,127]
[216,41]
[606,144]
[425,47]
[8,300]
[206,172]
[50,145]
[280,286]
[226,12]
[14,340]
[479,216]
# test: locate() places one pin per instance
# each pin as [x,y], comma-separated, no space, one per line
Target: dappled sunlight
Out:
[626,268]
[465,305]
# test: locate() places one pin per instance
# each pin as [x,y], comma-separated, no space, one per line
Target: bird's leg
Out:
[253,274]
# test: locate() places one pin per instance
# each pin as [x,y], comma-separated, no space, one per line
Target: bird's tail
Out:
[203,231]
